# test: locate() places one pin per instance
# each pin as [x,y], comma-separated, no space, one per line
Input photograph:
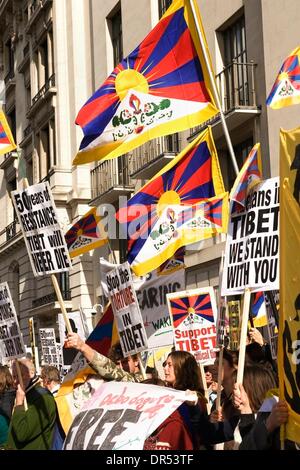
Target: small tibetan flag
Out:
[87,234]
[7,143]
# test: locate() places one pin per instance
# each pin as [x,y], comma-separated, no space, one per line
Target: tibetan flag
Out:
[289,318]
[286,89]
[104,334]
[7,143]
[249,176]
[258,310]
[162,87]
[87,234]
[184,203]
[185,309]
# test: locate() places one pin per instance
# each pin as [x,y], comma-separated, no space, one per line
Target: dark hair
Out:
[257,381]
[50,373]
[186,371]
[115,353]
[6,379]
[232,357]
[154,381]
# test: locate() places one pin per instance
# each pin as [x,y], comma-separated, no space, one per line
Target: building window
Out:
[12,123]
[9,58]
[163,5]
[117,37]
[235,59]
[64,284]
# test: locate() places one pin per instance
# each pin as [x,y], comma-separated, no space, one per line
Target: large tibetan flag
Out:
[7,143]
[162,87]
[86,234]
[289,318]
[249,176]
[184,203]
[286,89]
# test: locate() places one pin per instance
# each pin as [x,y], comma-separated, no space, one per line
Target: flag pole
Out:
[214,89]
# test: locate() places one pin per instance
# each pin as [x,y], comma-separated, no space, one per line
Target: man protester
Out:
[31,428]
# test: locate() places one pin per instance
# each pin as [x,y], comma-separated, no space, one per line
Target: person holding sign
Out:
[7,398]
[31,429]
[105,366]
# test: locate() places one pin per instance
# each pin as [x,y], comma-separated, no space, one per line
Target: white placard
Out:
[194,313]
[120,416]
[126,310]
[252,247]
[11,339]
[45,241]
[151,291]
[48,344]
[75,320]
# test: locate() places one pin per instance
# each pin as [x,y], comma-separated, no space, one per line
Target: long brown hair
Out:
[257,381]
[186,371]
[6,380]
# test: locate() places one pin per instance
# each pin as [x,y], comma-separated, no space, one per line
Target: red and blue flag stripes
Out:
[167,65]
[199,305]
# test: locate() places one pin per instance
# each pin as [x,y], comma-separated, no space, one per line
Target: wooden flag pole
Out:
[55,284]
[214,89]
[20,378]
[219,389]
[243,336]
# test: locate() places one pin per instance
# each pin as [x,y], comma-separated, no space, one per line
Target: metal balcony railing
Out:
[49,298]
[236,86]
[9,232]
[152,150]
[110,174]
[41,93]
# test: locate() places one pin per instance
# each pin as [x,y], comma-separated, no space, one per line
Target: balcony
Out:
[10,232]
[26,59]
[45,92]
[110,180]
[9,159]
[9,81]
[147,160]
[237,92]
[36,8]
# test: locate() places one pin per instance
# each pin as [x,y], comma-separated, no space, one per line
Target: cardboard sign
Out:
[234,312]
[194,313]
[11,339]
[151,291]
[126,310]
[48,344]
[120,416]
[252,247]
[44,239]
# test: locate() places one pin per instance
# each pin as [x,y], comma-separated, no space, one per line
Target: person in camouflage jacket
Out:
[122,370]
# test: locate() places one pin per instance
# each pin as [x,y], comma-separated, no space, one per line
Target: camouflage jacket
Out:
[110,371]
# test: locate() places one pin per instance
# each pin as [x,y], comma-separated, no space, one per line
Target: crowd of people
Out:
[248,418]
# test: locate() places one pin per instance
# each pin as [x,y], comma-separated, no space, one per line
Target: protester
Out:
[172,433]
[51,379]
[7,398]
[182,373]
[126,369]
[211,377]
[31,429]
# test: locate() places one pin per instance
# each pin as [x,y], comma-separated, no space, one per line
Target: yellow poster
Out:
[289,325]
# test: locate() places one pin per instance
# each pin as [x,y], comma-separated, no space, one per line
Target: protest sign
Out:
[252,247]
[120,416]
[11,339]
[234,312]
[44,239]
[194,313]
[48,344]
[126,310]
[151,291]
